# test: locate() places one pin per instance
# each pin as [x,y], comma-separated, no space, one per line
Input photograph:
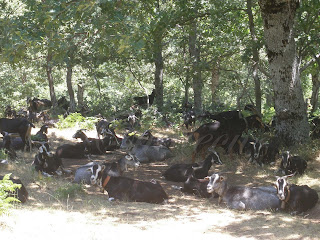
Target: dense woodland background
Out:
[218,55]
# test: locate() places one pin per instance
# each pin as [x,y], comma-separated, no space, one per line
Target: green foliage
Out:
[69,191]
[6,186]
[268,113]
[76,120]
[3,154]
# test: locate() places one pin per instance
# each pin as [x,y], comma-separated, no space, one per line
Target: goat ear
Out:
[103,167]
[207,178]
[222,178]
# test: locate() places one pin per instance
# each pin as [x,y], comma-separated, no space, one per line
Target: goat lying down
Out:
[123,188]
[83,173]
[242,197]
[294,198]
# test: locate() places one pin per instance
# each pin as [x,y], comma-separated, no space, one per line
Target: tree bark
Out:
[255,57]
[70,89]
[158,75]
[291,112]
[215,78]
[80,94]
[50,79]
[315,92]
[194,50]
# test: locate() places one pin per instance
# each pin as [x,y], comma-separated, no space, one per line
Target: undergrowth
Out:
[6,200]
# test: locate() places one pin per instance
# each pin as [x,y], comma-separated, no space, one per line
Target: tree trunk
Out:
[186,87]
[255,57]
[70,89]
[158,75]
[315,92]
[291,112]
[194,50]
[50,79]
[215,78]
[80,94]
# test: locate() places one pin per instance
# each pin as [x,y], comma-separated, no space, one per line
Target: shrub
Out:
[7,186]
[76,120]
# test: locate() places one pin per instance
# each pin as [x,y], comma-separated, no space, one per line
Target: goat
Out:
[19,125]
[41,135]
[127,160]
[36,104]
[167,142]
[111,141]
[82,173]
[102,127]
[189,118]
[241,197]
[9,112]
[93,145]
[265,153]
[123,188]
[145,153]
[220,132]
[292,164]
[195,186]
[77,150]
[7,146]
[20,193]
[48,163]
[179,172]
[145,100]
[296,199]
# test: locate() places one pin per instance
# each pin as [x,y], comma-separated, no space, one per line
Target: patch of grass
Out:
[69,191]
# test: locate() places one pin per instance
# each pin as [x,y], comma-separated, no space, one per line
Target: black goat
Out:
[111,141]
[265,153]
[296,199]
[189,118]
[37,105]
[195,186]
[77,150]
[6,145]
[241,197]
[48,163]
[292,164]
[123,188]
[167,142]
[41,135]
[19,125]
[143,101]
[179,172]
[93,145]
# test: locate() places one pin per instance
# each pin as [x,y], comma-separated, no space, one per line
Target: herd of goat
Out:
[225,130]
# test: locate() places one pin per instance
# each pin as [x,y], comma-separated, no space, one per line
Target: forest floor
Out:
[89,215]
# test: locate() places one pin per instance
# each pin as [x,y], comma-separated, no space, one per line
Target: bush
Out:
[76,120]
[7,186]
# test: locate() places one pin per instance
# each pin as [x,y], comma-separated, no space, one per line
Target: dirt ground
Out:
[89,215]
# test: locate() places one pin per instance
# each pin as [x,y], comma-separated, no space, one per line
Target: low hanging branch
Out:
[139,82]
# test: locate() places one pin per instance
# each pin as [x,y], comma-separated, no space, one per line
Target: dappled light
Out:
[182,211]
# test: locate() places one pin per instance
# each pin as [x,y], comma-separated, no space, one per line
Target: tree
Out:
[278,16]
